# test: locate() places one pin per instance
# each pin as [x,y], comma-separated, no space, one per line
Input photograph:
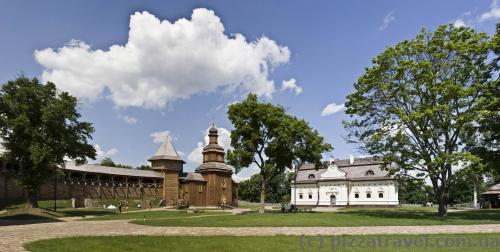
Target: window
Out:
[310,196]
[311,176]
[200,188]
[369,173]
[356,195]
[380,195]
[300,196]
[368,195]
[223,183]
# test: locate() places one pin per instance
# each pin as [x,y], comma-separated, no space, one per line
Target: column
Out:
[99,186]
[126,187]
[141,191]
[113,187]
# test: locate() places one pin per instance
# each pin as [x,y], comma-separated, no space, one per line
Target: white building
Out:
[351,182]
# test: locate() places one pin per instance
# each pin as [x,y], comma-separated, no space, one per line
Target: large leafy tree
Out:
[415,103]
[265,135]
[39,127]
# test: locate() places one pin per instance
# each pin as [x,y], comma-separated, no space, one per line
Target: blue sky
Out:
[175,78]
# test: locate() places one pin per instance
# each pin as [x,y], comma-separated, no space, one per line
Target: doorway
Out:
[333,200]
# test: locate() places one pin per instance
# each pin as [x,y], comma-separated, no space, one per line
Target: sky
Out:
[146,70]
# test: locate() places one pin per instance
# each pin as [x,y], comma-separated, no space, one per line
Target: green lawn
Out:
[158,214]
[12,204]
[349,217]
[413,243]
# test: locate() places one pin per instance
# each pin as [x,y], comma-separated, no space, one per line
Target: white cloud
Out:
[492,14]
[195,156]
[332,108]
[128,119]
[164,61]
[218,107]
[387,20]
[160,136]
[459,23]
[102,154]
[292,85]
[246,173]
[470,19]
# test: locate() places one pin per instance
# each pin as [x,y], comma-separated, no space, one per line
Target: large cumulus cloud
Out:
[163,61]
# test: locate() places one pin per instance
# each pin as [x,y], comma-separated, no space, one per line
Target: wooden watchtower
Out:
[167,161]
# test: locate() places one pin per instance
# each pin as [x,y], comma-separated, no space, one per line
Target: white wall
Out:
[388,188]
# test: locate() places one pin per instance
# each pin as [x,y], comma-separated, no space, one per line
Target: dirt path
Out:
[12,238]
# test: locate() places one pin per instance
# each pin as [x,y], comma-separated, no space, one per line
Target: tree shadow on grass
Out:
[480,216]
[78,213]
[25,219]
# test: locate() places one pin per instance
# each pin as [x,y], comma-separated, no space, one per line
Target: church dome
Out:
[213,130]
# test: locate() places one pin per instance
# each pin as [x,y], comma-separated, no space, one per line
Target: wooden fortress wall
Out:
[67,190]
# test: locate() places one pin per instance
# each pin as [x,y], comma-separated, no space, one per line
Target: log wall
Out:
[67,190]
[219,188]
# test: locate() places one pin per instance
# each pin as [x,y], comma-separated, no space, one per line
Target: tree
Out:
[249,190]
[39,127]
[109,162]
[415,103]
[278,188]
[484,139]
[144,167]
[462,187]
[412,191]
[271,139]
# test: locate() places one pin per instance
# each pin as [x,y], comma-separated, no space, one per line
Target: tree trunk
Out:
[31,199]
[442,198]
[262,195]
[475,196]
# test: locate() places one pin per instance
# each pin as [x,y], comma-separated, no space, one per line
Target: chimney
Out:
[351,159]
[331,160]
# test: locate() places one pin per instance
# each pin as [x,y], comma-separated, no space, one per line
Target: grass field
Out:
[413,243]
[12,204]
[348,217]
[159,214]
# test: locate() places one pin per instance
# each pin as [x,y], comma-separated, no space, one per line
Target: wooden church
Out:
[210,185]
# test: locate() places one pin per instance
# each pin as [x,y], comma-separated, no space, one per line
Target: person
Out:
[150,205]
[120,207]
[126,206]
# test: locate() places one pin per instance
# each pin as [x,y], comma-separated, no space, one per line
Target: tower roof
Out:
[166,152]
[213,130]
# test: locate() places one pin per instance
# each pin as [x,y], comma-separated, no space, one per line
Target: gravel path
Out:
[12,238]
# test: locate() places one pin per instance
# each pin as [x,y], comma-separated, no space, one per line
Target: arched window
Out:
[380,195]
[300,196]
[311,176]
[310,196]
[356,195]
[368,195]
[369,173]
